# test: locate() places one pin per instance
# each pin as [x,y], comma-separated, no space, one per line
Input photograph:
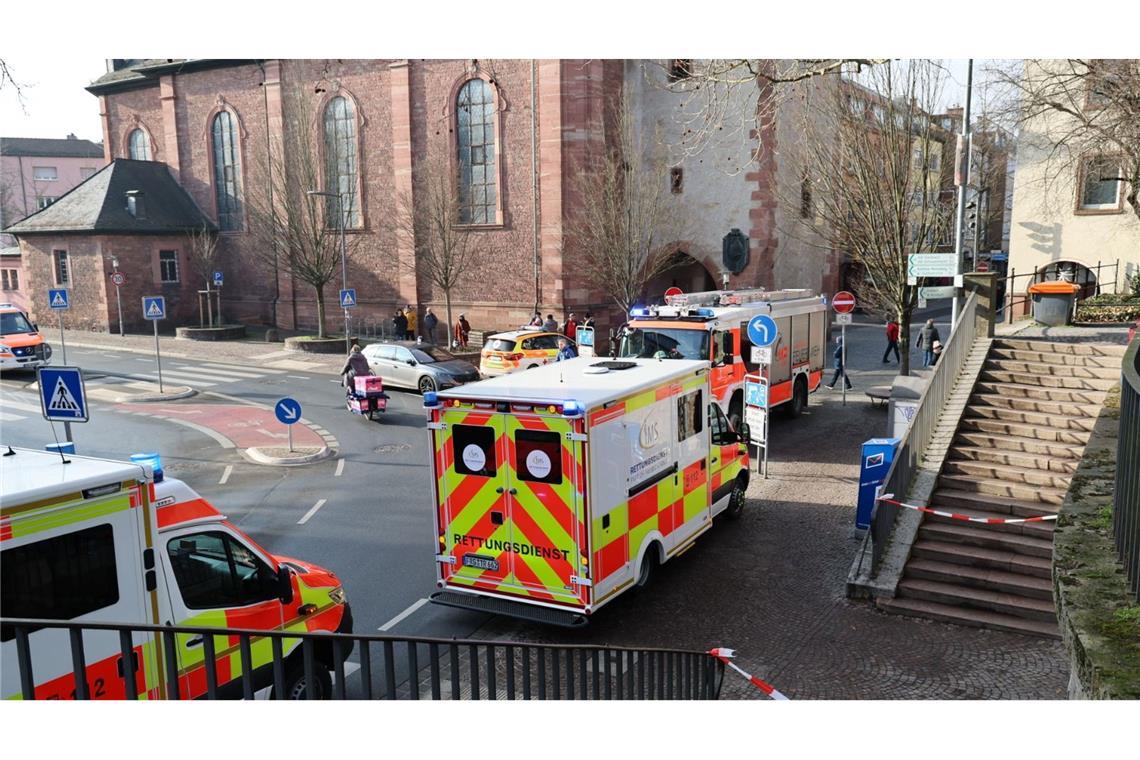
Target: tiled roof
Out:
[46,147]
[98,204]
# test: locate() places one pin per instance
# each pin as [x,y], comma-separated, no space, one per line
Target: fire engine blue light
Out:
[642,312]
[705,313]
[154,460]
[431,400]
[571,409]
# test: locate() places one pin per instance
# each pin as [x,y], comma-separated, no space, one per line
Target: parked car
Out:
[22,345]
[525,348]
[408,364]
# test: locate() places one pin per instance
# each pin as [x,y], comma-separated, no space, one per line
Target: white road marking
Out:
[19,405]
[242,370]
[272,434]
[5,417]
[226,474]
[311,512]
[339,468]
[297,377]
[394,621]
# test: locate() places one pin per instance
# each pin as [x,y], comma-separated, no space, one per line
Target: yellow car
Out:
[525,348]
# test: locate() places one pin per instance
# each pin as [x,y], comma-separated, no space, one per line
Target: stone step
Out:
[1042,462]
[1061,347]
[1050,357]
[1017,390]
[969,616]
[978,577]
[1057,421]
[1020,430]
[981,556]
[997,487]
[1016,444]
[1058,370]
[1047,381]
[967,596]
[957,500]
[1007,474]
[1042,530]
[974,534]
[1040,406]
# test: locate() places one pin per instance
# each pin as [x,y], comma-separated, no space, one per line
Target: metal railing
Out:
[1015,299]
[917,437]
[391,667]
[1126,495]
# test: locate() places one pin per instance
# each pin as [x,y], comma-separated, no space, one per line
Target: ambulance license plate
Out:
[480,563]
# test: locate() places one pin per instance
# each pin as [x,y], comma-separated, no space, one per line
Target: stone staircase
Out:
[1017,445]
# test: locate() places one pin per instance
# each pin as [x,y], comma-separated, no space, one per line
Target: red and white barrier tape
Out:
[726,655]
[967,518]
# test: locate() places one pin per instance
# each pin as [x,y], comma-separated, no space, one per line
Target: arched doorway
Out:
[1071,271]
[684,272]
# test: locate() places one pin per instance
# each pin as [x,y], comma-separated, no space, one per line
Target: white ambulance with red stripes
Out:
[560,488]
[712,325]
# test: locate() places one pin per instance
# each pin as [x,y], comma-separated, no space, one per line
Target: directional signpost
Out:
[844,303]
[288,413]
[930,265]
[763,333]
[154,309]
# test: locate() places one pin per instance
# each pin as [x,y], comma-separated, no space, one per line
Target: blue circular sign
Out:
[288,411]
[762,330]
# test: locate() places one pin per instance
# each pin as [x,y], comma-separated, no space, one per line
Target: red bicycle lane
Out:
[240,425]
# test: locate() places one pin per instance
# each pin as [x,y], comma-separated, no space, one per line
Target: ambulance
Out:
[558,489]
[713,325]
[96,540]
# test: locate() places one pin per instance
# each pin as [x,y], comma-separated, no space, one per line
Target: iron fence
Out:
[389,667]
[913,445]
[1015,299]
[1126,495]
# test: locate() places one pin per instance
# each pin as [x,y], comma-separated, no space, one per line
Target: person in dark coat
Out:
[927,336]
[355,364]
[400,323]
[430,322]
[565,350]
[839,369]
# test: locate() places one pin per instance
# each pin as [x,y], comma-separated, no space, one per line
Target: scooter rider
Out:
[355,364]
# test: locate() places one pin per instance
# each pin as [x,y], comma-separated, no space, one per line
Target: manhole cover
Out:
[393,448]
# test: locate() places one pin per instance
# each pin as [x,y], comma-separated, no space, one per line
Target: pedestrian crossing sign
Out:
[58,299]
[154,307]
[62,394]
[348,298]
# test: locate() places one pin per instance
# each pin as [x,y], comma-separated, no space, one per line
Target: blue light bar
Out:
[572,409]
[705,313]
[642,312]
[431,400]
[154,460]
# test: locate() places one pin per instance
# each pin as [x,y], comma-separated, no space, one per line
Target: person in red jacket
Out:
[892,341]
[570,329]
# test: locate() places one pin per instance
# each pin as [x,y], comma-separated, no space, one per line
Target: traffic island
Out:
[308,344]
[282,456]
[221,332]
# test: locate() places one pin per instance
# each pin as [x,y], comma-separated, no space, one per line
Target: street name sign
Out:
[931,265]
[932,294]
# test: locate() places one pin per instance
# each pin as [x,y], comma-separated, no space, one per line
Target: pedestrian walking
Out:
[400,325]
[462,330]
[565,350]
[550,325]
[839,369]
[410,316]
[430,322]
[892,341]
[570,329]
[927,337]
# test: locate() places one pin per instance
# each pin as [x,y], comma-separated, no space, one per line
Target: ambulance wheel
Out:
[295,687]
[426,384]
[799,398]
[648,568]
[735,506]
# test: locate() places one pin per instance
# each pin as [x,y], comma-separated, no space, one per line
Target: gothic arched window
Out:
[478,174]
[341,165]
[226,171]
[139,145]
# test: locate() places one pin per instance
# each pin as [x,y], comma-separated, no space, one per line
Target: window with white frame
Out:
[62,267]
[139,145]
[44,173]
[10,279]
[1100,186]
[43,201]
[168,266]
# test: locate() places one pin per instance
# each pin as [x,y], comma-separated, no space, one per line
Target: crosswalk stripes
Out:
[13,410]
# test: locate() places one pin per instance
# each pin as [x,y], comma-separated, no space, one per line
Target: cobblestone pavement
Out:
[771,585]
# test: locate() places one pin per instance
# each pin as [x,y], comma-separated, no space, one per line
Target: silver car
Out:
[425,367]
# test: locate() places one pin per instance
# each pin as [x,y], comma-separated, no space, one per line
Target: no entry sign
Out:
[843,302]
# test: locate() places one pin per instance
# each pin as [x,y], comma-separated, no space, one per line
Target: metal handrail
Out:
[1126,494]
[921,429]
[520,670]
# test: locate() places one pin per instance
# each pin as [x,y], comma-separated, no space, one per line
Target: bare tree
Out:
[1076,109]
[293,228]
[622,218]
[202,258]
[430,215]
[867,149]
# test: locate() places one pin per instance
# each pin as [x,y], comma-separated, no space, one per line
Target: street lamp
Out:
[343,262]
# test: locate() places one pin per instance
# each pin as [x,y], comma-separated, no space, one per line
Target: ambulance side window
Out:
[60,578]
[689,415]
[214,570]
[473,450]
[539,454]
[718,426]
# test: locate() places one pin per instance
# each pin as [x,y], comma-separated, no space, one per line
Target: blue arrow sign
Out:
[288,411]
[762,330]
[755,394]
[218,279]
[154,307]
[62,395]
[58,299]
[348,298]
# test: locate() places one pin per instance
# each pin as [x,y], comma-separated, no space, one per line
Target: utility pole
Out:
[964,172]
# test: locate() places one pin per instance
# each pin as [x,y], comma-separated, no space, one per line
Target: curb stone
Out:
[258,455]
